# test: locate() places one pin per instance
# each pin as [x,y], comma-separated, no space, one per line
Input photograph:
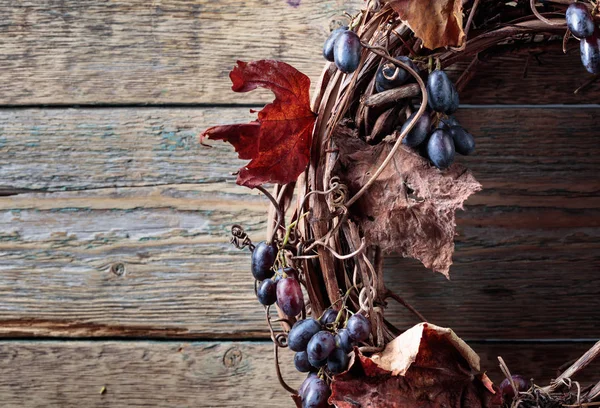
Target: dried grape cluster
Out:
[436,135]
[581,24]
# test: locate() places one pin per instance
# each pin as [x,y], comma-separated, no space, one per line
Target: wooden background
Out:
[118,287]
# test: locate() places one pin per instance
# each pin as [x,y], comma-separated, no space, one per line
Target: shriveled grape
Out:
[320,346]
[359,327]
[506,389]
[301,333]
[263,258]
[579,20]
[346,52]
[440,149]
[267,292]
[289,296]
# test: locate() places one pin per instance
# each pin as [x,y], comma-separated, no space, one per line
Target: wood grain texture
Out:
[241,374]
[179,51]
[99,188]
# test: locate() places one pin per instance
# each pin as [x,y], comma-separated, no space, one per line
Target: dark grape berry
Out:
[359,327]
[329,317]
[419,132]
[590,54]
[330,43]
[343,340]
[309,378]
[507,390]
[267,292]
[320,346]
[464,143]
[441,92]
[289,296]
[301,333]
[337,362]
[316,394]
[440,149]
[301,362]
[263,258]
[389,76]
[346,52]
[579,20]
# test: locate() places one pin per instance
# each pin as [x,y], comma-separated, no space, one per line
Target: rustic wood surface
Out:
[135,242]
[177,51]
[197,374]
[114,221]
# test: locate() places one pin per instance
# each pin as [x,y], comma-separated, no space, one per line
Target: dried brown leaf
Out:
[410,208]
[437,22]
[426,367]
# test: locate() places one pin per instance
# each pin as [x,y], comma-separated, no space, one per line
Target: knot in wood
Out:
[118,269]
[232,357]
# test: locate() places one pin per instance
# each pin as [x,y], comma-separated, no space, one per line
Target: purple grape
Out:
[337,362]
[419,132]
[267,292]
[590,54]
[263,258]
[455,102]
[580,21]
[320,346]
[464,143]
[440,149]
[442,95]
[330,43]
[507,390]
[359,327]
[309,378]
[316,394]
[301,333]
[329,317]
[343,340]
[301,362]
[346,52]
[388,70]
[289,296]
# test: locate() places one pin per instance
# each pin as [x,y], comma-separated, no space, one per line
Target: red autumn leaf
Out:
[426,367]
[437,22]
[278,143]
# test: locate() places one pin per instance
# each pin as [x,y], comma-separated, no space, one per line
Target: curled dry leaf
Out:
[437,22]
[278,143]
[410,208]
[426,367]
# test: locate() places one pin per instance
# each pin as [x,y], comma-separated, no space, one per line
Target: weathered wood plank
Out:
[150,198]
[240,374]
[176,51]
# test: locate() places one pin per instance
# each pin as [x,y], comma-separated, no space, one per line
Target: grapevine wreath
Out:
[366,169]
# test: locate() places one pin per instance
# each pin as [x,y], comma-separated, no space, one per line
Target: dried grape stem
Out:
[580,364]
[278,370]
[594,392]
[390,156]
[392,95]
[542,18]
[390,294]
[277,206]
